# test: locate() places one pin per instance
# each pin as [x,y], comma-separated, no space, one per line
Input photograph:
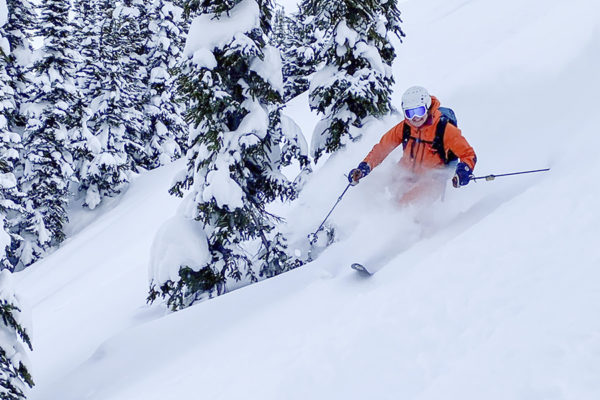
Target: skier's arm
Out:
[454,141]
[386,145]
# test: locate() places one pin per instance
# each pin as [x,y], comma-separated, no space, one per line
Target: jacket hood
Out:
[434,113]
[435,105]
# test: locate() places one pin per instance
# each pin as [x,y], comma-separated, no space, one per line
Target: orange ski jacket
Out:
[419,156]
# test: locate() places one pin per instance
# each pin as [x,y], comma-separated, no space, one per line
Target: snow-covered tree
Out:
[137,14]
[186,17]
[167,129]
[18,31]
[279,27]
[10,139]
[15,378]
[10,146]
[300,40]
[238,145]
[112,128]
[48,162]
[132,120]
[357,79]
[88,22]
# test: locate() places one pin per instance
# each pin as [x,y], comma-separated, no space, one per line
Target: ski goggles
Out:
[415,112]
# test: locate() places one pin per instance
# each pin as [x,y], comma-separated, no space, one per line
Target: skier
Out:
[423,160]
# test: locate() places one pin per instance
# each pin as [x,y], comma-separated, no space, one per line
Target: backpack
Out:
[438,141]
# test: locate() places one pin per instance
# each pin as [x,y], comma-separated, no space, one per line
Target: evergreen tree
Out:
[137,14]
[167,129]
[10,147]
[18,32]
[113,128]
[300,40]
[88,22]
[131,120]
[186,17]
[15,377]
[279,27]
[238,146]
[357,79]
[48,162]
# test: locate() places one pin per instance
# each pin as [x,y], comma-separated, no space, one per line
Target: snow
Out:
[4,44]
[492,294]
[99,278]
[270,68]
[204,58]
[126,12]
[255,123]
[170,8]
[92,194]
[344,36]
[3,13]
[180,241]
[12,345]
[224,190]
[371,54]
[7,180]
[208,32]
[158,73]
[92,142]
[4,237]
[322,76]
[290,6]
[291,131]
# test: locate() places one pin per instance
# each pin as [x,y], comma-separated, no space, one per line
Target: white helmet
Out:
[414,97]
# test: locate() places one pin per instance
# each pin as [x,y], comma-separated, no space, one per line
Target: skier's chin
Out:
[417,122]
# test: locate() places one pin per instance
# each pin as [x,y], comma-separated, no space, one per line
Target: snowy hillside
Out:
[492,294]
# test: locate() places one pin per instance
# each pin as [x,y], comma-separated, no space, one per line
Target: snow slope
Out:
[492,294]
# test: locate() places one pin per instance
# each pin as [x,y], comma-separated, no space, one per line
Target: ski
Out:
[361,269]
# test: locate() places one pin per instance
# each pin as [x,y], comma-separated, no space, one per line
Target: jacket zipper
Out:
[416,153]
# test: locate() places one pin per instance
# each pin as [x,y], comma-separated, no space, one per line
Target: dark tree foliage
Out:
[237,148]
[15,376]
[357,80]
[51,120]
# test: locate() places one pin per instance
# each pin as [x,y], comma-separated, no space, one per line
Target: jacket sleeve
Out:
[454,141]
[386,145]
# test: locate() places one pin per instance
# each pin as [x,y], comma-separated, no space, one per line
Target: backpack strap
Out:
[438,142]
[405,134]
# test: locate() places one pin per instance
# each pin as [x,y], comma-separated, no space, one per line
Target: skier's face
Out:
[417,122]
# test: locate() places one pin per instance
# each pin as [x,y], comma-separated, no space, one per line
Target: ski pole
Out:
[313,236]
[492,177]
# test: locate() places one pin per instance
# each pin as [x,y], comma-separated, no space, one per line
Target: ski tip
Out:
[360,268]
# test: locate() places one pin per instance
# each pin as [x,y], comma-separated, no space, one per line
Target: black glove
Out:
[462,176]
[359,172]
